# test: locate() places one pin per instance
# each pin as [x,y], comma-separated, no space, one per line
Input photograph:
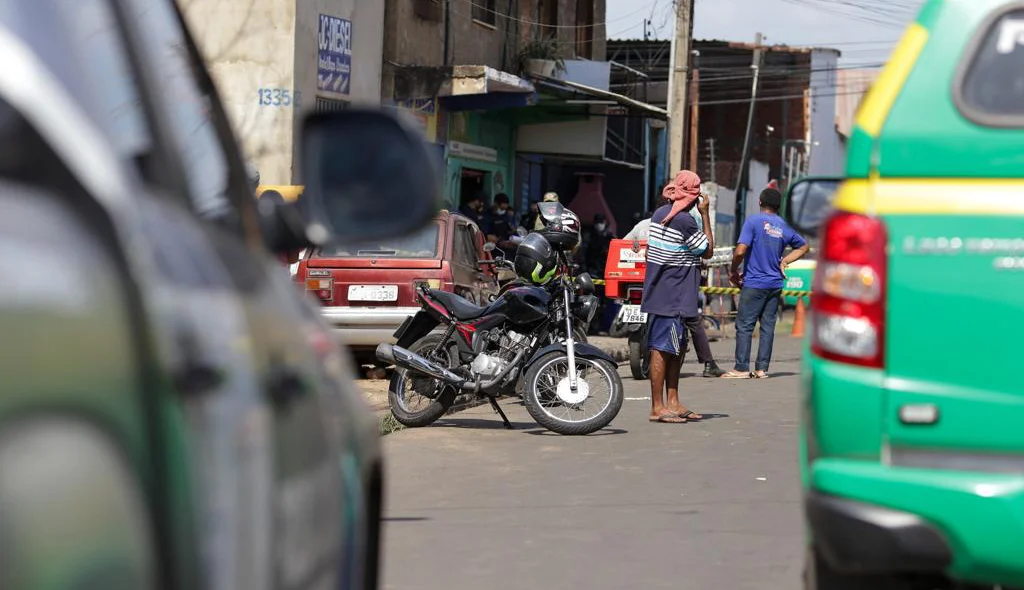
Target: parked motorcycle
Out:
[508,279]
[568,387]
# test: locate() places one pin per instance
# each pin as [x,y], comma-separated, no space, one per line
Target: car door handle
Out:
[195,375]
[284,384]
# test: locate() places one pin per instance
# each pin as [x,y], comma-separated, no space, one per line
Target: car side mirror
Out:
[809,202]
[367,176]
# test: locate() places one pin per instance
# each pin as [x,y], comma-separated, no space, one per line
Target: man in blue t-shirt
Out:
[675,247]
[763,240]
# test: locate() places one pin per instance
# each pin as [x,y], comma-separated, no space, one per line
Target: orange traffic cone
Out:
[798,322]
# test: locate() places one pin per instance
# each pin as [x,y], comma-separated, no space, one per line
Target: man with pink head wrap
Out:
[675,247]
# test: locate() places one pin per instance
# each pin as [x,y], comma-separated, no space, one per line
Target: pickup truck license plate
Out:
[373,293]
[631,314]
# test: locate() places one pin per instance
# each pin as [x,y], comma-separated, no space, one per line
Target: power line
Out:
[509,17]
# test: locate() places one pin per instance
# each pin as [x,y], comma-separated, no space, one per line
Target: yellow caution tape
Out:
[732,290]
[736,291]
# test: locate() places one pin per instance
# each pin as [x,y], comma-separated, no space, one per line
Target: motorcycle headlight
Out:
[586,308]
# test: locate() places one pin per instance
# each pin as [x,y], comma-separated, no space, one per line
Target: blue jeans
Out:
[756,304]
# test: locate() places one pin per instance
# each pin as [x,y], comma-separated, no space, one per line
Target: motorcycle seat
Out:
[458,307]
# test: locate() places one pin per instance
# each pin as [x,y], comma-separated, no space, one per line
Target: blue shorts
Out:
[666,334]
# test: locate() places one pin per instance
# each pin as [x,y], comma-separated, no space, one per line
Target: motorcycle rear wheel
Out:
[402,379]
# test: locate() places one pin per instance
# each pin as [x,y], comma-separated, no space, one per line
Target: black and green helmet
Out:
[536,261]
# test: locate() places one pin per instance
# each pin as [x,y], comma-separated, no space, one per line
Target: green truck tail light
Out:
[848,301]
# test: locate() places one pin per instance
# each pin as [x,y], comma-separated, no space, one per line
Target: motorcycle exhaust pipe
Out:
[400,357]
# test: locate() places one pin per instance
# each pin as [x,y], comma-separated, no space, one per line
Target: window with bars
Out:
[328,105]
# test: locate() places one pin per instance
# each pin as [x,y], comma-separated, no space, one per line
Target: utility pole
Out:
[694,99]
[741,185]
[712,156]
[677,82]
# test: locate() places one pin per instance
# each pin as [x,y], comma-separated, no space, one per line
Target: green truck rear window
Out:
[991,84]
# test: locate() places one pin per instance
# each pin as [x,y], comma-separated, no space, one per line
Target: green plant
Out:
[544,48]
[389,425]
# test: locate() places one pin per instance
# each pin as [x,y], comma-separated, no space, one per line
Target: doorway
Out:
[473,183]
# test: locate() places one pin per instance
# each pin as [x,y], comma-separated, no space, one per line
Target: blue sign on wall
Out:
[334,70]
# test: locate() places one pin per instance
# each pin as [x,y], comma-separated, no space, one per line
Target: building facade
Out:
[513,93]
[275,60]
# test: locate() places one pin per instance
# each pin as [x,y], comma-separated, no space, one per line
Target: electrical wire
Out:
[505,16]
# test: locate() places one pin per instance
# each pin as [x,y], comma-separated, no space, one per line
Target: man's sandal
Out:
[667,418]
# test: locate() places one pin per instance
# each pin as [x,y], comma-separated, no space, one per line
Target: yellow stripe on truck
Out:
[876,106]
[932,197]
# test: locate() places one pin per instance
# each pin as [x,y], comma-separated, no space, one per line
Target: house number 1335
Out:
[279,97]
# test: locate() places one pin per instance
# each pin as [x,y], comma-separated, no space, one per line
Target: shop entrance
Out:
[473,183]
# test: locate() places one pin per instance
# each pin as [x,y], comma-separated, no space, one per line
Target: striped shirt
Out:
[672,280]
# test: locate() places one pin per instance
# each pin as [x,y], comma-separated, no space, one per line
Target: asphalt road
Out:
[712,505]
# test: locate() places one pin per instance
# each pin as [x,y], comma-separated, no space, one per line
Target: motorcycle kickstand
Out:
[497,408]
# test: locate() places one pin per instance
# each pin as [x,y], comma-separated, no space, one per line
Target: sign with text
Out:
[334,67]
[472,152]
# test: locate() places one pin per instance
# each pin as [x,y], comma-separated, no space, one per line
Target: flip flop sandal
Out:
[668,418]
[691,416]
[737,375]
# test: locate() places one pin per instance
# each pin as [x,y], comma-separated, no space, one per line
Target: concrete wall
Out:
[263,53]
[248,45]
[416,32]
[367,18]
[577,138]
[828,154]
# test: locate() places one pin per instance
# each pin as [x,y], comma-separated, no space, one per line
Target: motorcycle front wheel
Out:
[556,406]
[419,400]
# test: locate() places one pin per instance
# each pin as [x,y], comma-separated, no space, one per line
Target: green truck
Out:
[912,438]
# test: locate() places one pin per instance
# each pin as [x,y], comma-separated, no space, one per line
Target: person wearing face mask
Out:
[598,240]
[501,221]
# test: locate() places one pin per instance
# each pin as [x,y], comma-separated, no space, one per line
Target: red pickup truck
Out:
[367,290]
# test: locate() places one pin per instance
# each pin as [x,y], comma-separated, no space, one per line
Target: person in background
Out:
[598,240]
[763,239]
[538,222]
[501,222]
[674,250]
[529,220]
[695,325]
[474,210]
[642,227]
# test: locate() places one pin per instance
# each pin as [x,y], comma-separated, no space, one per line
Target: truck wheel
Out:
[819,575]
[639,355]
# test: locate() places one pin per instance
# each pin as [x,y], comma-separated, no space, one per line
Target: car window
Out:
[465,251]
[422,244]
[205,160]
[79,42]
